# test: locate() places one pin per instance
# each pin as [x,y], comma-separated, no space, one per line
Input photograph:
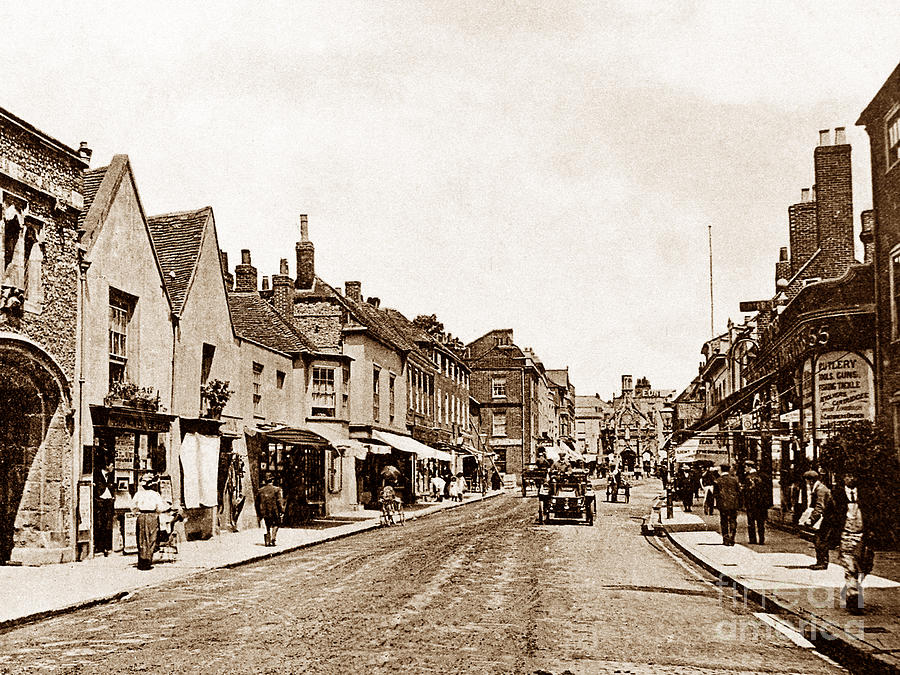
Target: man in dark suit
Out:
[727,496]
[104,507]
[757,500]
[271,508]
[821,519]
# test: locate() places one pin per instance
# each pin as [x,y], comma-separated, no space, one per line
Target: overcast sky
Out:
[550,167]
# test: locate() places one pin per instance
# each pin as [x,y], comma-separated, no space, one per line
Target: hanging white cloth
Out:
[191,482]
[208,470]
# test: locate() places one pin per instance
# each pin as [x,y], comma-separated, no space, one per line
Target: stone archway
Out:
[35,454]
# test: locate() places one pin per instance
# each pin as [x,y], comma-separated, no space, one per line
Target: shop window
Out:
[376,395]
[498,424]
[323,393]
[893,138]
[257,388]
[121,310]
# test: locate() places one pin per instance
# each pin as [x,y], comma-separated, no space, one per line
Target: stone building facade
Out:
[41,192]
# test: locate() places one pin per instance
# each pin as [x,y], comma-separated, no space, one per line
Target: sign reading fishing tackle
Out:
[844,388]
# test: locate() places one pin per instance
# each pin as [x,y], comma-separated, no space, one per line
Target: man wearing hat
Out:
[820,518]
[727,495]
[757,501]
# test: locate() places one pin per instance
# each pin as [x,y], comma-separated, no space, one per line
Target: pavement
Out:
[777,577]
[34,593]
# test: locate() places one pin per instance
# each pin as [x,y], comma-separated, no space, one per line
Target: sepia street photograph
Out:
[450,337]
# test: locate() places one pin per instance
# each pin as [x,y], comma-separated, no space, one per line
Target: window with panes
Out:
[498,427]
[498,387]
[257,388]
[323,397]
[376,395]
[893,138]
[120,310]
[391,381]
[895,294]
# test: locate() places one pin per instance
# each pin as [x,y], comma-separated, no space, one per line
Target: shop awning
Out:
[295,436]
[701,448]
[411,445]
[351,447]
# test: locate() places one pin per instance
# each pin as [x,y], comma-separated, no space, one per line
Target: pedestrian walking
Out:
[664,476]
[271,509]
[148,504]
[708,481]
[437,487]
[686,489]
[104,507]
[857,555]
[461,485]
[757,498]
[820,516]
[727,495]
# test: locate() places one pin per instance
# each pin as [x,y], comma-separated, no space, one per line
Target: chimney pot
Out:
[265,283]
[840,136]
[304,228]
[245,256]
[283,267]
[804,195]
[783,254]
[84,151]
[824,137]
[306,258]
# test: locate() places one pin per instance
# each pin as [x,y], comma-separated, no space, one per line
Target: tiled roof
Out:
[378,324]
[255,319]
[92,179]
[177,238]
[410,330]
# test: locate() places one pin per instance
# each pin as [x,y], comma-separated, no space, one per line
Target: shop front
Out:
[295,460]
[134,442]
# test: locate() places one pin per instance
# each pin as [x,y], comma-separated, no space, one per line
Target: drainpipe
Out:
[176,493]
[83,266]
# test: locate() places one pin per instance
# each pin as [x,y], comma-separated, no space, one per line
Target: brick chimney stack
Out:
[834,203]
[85,152]
[283,291]
[867,235]
[802,231]
[245,274]
[226,273]
[782,267]
[353,290]
[306,257]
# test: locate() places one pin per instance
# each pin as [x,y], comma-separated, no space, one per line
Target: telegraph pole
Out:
[712,323]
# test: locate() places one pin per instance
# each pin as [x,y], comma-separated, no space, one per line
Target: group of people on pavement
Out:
[838,519]
[449,486]
[836,516]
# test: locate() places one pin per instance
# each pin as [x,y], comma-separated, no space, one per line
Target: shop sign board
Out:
[844,389]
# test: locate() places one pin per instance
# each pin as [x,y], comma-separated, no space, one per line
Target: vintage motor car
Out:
[567,496]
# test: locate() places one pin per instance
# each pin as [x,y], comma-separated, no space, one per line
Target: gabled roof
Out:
[256,320]
[410,330]
[178,238]
[100,187]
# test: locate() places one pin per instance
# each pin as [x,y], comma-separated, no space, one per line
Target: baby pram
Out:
[167,539]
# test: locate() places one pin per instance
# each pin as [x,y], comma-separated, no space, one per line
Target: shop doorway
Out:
[300,472]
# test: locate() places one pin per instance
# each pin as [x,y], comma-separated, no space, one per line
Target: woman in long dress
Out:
[148,504]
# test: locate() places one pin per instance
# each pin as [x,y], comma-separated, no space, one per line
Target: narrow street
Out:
[480,589]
